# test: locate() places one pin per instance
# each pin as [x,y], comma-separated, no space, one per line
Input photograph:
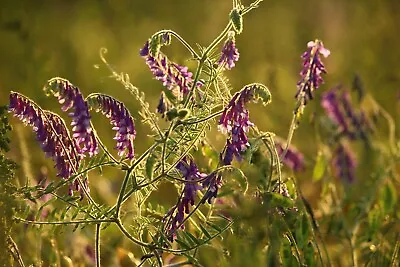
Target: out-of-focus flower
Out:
[169,73]
[70,97]
[230,53]
[293,158]
[330,101]
[120,119]
[358,121]
[338,107]
[313,68]
[51,133]
[344,164]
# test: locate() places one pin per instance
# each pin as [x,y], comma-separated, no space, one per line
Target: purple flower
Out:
[192,176]
[120,119]
[338,107]
[70,97]
[293,158]
[313,67]
[230,53]
[50,131]
[331,104]
[358,121]
[169,73]
[235,121]
[344,164]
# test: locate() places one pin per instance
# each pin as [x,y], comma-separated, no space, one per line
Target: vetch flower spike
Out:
[311,74]
[190,172]
[70,97]
[172,75]
[330,101]
[338,107]
[51,133]
[230,53]
[344,164]
[120,118]
[235,119]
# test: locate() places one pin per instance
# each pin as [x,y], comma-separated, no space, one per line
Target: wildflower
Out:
[230,53]
[311,74]
[358,121]
[338,107]
[235,121]
[172,75]
[344,164]
[293,158]
[331,104]
[192,176]
[70,97]
[120,119]
[50,131]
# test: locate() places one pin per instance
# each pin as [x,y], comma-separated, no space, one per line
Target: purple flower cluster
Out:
[337,105]
[344,164]
[192,176]
[311,74]
[293,158]
[70,97]
[235,121]
[230,53]
[169,73]
[50,131]
[120,119]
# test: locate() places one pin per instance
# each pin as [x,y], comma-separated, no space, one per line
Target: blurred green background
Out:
[44,39]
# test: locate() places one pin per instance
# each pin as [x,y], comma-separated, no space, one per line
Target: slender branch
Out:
[180,39]
[97,240]
[129,236]
[94,221]
[13,248]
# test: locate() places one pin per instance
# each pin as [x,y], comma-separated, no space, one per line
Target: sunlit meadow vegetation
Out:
[199,133]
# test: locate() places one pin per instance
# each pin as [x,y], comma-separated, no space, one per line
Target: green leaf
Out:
[150,162]
[181,242]
[237,20]
[320,167]
[216,227]
[192,238]
[205,232]
[277,200]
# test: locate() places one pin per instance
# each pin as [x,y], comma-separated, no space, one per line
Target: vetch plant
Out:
[251,175]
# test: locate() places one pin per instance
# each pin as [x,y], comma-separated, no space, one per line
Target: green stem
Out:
[121,193]
[180,39]
[121,199]
[129,236]
[97,251]
[290,136]
[203,119]
[95,221]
